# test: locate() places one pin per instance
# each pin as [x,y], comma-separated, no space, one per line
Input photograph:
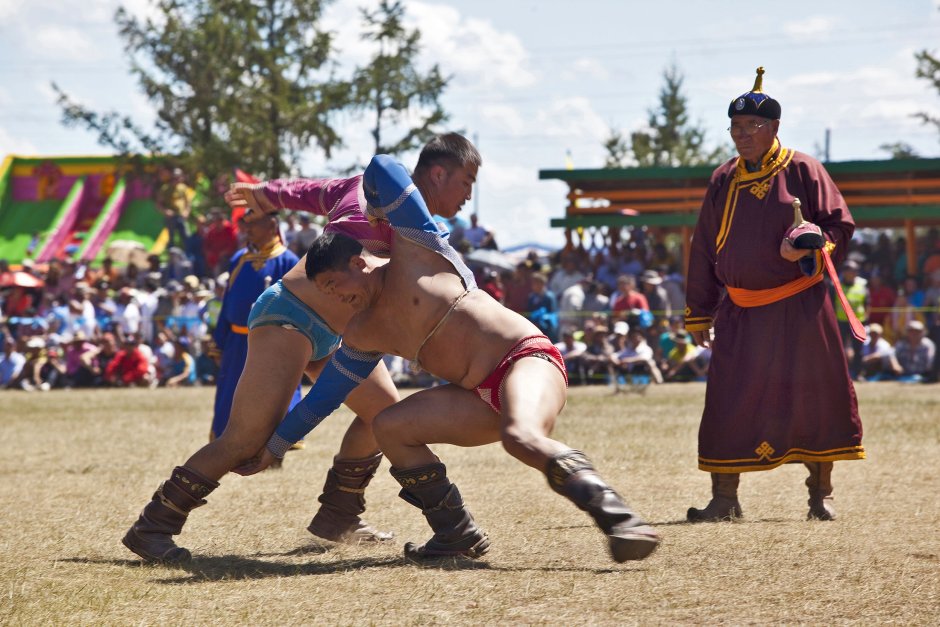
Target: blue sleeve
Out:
[391,194]
[347,369]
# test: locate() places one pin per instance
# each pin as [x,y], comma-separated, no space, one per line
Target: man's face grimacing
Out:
[753,135]
[349,286]
[452,188]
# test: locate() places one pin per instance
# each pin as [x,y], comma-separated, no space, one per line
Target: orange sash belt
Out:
[756,298]
[237,328]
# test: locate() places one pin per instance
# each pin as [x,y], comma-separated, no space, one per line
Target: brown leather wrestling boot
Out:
[455,533]
[819,483]
[630,538]
[343,499]
[163,517]
[724,504]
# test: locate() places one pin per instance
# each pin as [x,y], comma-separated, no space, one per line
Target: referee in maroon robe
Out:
[778,387]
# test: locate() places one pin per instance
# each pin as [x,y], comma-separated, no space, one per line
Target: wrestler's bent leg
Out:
[343,498]
[275,362]
[533,394]
[445,414]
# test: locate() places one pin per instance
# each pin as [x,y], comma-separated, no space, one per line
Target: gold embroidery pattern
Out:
[760,189]
[765,450]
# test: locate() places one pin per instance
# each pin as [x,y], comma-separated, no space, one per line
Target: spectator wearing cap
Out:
[914,354]
[651,283]
[252,270]
[877,354]
[130,366]
[677,366]
[778,387]
[635,356]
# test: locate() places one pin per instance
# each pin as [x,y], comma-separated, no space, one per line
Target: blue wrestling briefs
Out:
[277,306]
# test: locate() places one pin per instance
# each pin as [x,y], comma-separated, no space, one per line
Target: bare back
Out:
[420,287]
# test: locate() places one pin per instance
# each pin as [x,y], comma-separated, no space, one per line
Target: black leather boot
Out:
[630,538]
[151,537]
[455,533]
[724,504]
[819,483]
[343,500]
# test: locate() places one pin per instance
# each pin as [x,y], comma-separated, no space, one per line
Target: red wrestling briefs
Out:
[532,346]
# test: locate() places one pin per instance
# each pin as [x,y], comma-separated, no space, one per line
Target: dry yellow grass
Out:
[78,466]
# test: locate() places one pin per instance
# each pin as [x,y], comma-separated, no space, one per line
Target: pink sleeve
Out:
[311,195]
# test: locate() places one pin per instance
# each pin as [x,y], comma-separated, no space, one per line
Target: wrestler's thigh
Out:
[446,414]
[533,394]
[375,393]
[275,363]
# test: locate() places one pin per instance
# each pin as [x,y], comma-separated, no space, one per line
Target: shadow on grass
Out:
[235,567]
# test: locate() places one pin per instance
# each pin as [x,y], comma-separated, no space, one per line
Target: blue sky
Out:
[533,79]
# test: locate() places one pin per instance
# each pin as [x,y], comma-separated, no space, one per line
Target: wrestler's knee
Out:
[517,437]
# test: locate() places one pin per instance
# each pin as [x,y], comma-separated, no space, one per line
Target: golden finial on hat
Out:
[759,81]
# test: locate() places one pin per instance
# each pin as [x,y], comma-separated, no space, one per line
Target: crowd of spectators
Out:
[615,314]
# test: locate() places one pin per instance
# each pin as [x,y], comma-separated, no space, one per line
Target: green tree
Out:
[246,83]
[899,150]
[390,88]
[618,150]
[928,68]
[669,139]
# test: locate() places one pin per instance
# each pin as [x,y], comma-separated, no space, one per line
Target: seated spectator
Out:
[876,355]
[596,359]
[595,300]
[11,362]
[914,354]
[130,367]
[880,299]
[571,303]
[636,356]
[571,351]
[492,284]
[183,366]
[651,284]
[207,367]
[80,362]
[683,363]
[35,353]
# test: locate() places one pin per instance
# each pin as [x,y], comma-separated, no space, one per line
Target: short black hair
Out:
[449,150]
[330,251]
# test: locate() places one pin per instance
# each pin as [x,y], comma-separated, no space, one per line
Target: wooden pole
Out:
[911,248]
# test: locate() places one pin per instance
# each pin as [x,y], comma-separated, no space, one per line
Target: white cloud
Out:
[585,68]
[571,117]
[817,27]
[503,119]
[57,41]
[9,8]
[15,145]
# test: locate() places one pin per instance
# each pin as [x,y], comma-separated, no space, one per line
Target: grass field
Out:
[78,467]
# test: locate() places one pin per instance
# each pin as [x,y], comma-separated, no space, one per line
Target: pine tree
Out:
[391,90]
[928,68]
[245,83]
[670,139]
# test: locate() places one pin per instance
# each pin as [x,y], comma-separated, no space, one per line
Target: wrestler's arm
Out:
[269,196]
[347,369]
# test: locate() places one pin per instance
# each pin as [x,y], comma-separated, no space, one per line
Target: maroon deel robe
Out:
[778,384]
